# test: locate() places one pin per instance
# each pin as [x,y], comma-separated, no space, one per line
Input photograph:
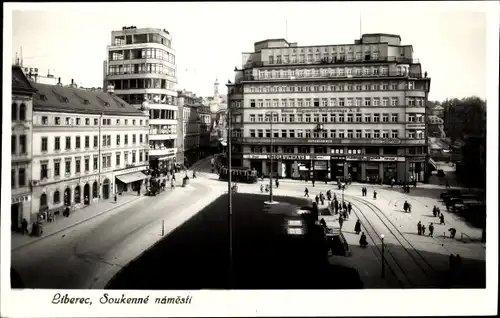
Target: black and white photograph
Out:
[176,159]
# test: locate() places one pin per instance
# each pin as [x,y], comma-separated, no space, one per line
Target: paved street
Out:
[89,254]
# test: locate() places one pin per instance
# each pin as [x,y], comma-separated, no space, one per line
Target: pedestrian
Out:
[452,231]
[441,217]
[277,183]
[419,227]
[306,192]
[349,208]
[357,227]
[194,174]
[261,188]
[431,229]
[423,229]
[409,207]
[315,211]
[316,199]
[344,205]
[334,197]
[313,182]
[438,212]
[24,226]
[405,206]
[322,198]
[329,195]
[341,221]
[138,191]
[374,194]
[434,211]
[116,198]
[362,241]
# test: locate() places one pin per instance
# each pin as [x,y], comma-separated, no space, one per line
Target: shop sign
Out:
[416,126]
[322,158]
[87,179]
[374,158]
[288,110]
[124,171]
[254,156]
[337,157]
[319,141]
[329,110]
[290,157]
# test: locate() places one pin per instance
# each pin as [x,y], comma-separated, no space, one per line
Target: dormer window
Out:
[86,102]
[42,97]
[62,99]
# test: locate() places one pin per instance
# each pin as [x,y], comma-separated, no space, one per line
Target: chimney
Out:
[59,82]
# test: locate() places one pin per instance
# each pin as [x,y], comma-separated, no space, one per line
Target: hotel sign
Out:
[374,158]
[329,110]
[415,126]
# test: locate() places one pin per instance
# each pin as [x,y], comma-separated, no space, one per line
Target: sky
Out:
[450,40]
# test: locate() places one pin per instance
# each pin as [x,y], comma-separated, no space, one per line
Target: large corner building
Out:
[338,111]
[140,64]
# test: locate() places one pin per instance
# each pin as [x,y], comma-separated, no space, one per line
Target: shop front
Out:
[129,180]
[337,167]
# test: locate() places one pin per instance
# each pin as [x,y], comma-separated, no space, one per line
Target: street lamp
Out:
[383,255]
[269,115]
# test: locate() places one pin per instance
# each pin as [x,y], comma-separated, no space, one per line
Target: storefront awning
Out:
[166,158]
[131,177]
[433,163]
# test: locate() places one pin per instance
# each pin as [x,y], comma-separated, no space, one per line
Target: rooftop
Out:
[19,81]
[74,100]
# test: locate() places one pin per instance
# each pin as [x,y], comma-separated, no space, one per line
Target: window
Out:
[341,134]
[367,102]
[68,120]
[96,163]
[376,102]
[21,177]
[385,134]
[411,118]
[333,133]
[133,157]
[261,118]
[57,120]
[292,118]
[87,121]
[350,134]
[316,118]
[308,133]
[252,133]
[368,118]
[358,118]
[358,133]
[411,135]
[67,167]
[14,111]
[96,142]
[283,133]
[140,138]
[22,112]
[385,118]
[45,144]
[57,197]
[376,118]
[57,168]
[368,134]
[394,118]
[350,118]
[341,118]
[96,121]
[77,142]
[78,164]
[376,134]
[133,139]
[385,102]
[308,118]
[341,102]
[394,102]
[68,143]
[13,144]
[324,118]
[45,120]
[126,139]
[87,164]
[87,141]
[394,134]
[44,171]
[140,156]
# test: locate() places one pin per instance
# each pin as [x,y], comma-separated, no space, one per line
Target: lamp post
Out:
[383,255]
[269,115]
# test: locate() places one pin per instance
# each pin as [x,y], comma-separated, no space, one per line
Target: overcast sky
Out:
[209,38]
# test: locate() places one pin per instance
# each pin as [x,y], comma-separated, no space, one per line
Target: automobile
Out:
[440,173]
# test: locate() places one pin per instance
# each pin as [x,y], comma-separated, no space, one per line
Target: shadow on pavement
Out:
[196,255]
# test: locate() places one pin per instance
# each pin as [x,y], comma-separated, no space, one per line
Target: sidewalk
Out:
[76,217]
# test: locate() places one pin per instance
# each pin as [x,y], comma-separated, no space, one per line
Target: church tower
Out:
[216,88]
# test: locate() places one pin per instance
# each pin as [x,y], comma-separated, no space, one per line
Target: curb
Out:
[72,225]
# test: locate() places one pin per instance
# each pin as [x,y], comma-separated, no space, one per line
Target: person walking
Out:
[374,194]
[441,218]
[453,232]
[419,227]
[357,227]
[24,226]
[438,212]
[434,211]
[349,208]
[423,229]
[341,221]
[316,199]
[431,230]
[306,192]
[362,241]
[322,198]
[313,181]
[405,206]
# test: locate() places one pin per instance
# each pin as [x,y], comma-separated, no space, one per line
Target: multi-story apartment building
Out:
[337,111]
[21,148]
[141,66]
[196,128]
[86,146]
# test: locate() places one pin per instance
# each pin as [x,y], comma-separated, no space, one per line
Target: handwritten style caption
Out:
[106,298]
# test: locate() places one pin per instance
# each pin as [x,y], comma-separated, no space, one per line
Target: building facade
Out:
[21,148]
[331,112]
[87,146]
[196,128]
[141,67]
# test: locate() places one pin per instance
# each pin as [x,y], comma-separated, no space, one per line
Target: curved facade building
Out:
[140,64]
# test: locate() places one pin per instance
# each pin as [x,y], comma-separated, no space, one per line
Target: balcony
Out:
[162,151]
[393,74]
[329,61]
[162,136]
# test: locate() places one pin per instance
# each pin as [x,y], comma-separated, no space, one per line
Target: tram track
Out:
[408,265]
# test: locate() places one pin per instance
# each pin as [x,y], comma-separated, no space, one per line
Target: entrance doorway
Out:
[15,216]
[67,197]
[105,189]
[86,194]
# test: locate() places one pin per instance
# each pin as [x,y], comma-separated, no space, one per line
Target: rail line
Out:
[415,269]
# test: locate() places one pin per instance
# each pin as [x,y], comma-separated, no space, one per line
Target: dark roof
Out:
[74,100]
[382,34]
[20,84]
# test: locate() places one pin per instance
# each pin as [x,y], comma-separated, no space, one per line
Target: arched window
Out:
[77,194]
[94,189]
[57,197]
[43,200]
[22,112]
[14,111]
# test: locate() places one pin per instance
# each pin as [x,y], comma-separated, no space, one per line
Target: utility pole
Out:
[229,191]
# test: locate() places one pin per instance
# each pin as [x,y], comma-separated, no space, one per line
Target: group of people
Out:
[364,192]
[437,213]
